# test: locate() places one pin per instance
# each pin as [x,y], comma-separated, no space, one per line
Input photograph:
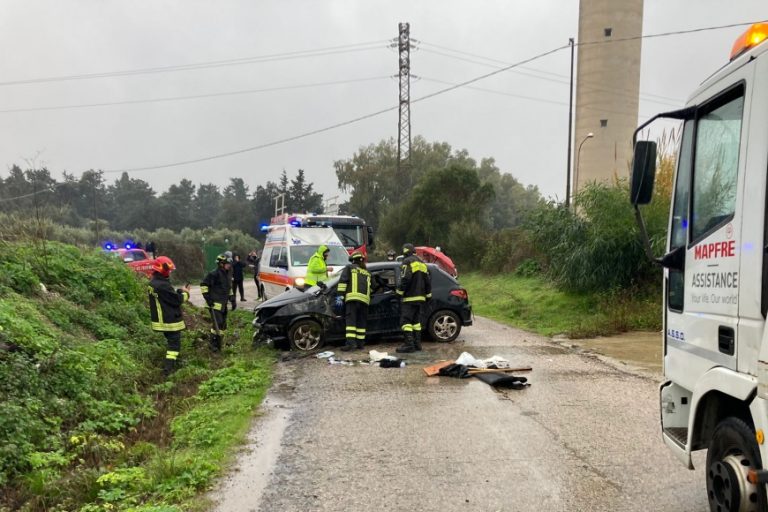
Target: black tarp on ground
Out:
[503,380]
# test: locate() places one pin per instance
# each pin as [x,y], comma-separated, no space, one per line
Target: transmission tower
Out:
[404,124]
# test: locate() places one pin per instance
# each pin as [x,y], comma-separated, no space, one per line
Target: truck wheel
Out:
[444,326]
[305,335]
[732,452]
[263,292]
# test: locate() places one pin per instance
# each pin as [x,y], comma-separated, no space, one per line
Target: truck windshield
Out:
[350,236]
[300,255]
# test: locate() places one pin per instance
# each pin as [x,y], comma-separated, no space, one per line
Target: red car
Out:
[137,259]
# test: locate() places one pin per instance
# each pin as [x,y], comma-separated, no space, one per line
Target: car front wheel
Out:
[444,326]
[305,335]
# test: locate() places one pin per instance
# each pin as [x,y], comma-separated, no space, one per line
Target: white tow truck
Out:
[715,394]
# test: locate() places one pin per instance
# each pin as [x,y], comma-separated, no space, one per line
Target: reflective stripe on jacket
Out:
[216,287]
[415,283]
[165,305]
[317,270]
[355,284]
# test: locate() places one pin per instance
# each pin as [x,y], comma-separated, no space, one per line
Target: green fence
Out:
[210,251]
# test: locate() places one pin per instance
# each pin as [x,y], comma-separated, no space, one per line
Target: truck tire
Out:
[732,452]
[305,335]
[444,326]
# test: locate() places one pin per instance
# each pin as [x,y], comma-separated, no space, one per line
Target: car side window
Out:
[383,280]
[138,256]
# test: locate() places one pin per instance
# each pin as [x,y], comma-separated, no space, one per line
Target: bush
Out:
[185,248]
[598,247]
[505,250]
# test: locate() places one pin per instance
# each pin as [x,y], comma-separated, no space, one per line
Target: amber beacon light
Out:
[754,35]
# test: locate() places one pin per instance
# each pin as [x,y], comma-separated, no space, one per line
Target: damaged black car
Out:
[306,319]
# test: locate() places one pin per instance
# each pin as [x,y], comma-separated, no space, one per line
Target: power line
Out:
[520,96]
[673,33]
[663,101]
[194,97]
[383,111]
[331,50]
[51,189]
[337,125]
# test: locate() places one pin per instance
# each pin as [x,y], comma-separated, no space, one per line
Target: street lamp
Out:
[578,157]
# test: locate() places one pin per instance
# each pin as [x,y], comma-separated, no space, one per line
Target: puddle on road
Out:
[639,348]
[242,490]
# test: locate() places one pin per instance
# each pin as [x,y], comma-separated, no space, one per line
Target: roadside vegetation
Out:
[186,248]
[87,421]
[535,304]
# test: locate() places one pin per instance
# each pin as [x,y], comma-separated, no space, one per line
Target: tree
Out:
[441,198]
[132,199]
[263,202]
[175,206]
[235,207]
[511,199]
[302,197]
[205,205]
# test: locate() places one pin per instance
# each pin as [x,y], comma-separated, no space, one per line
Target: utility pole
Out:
[404,123]
[279,204]
[570,135]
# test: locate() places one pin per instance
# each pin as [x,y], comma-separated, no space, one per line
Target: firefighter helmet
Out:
[408,249]
[356,256]
[221,259]
[163,265]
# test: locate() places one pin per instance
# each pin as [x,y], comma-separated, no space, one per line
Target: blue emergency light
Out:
[109,246]
[264,228]
[128,245]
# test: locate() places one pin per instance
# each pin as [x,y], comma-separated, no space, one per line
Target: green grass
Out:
[534,304]
[87,421]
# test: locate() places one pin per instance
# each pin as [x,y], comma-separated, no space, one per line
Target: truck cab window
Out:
[715,171]
[679,223]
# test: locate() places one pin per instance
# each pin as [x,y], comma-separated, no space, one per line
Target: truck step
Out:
[679,434]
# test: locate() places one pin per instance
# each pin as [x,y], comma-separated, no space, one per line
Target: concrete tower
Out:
[607,89]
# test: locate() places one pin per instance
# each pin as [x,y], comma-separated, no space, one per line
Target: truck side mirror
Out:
[674,260]
[370,236]
[643,172]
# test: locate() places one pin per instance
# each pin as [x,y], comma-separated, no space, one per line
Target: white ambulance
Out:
[715,396]
[286,253]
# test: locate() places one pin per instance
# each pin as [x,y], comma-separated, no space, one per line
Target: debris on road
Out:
[324,355]
[391,362]
[494,371]
[433,370]
[503,380]
[459,371]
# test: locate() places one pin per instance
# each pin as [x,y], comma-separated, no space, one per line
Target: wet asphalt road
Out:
[583,437]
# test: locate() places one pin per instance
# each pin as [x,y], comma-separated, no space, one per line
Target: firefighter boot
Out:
[417,340]
[169,367]
[408,345]
[349,344]
[215,343]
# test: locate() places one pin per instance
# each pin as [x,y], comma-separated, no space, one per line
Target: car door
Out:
[384,310]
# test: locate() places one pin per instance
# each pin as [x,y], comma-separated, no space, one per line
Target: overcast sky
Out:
[523,124]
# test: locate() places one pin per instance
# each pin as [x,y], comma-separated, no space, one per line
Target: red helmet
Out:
[163,265]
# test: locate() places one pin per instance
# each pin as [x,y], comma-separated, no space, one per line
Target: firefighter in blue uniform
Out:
[355,294]
[165,309]
[216,289]
[415,289]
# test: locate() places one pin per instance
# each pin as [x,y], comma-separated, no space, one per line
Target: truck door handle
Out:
[726,340]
